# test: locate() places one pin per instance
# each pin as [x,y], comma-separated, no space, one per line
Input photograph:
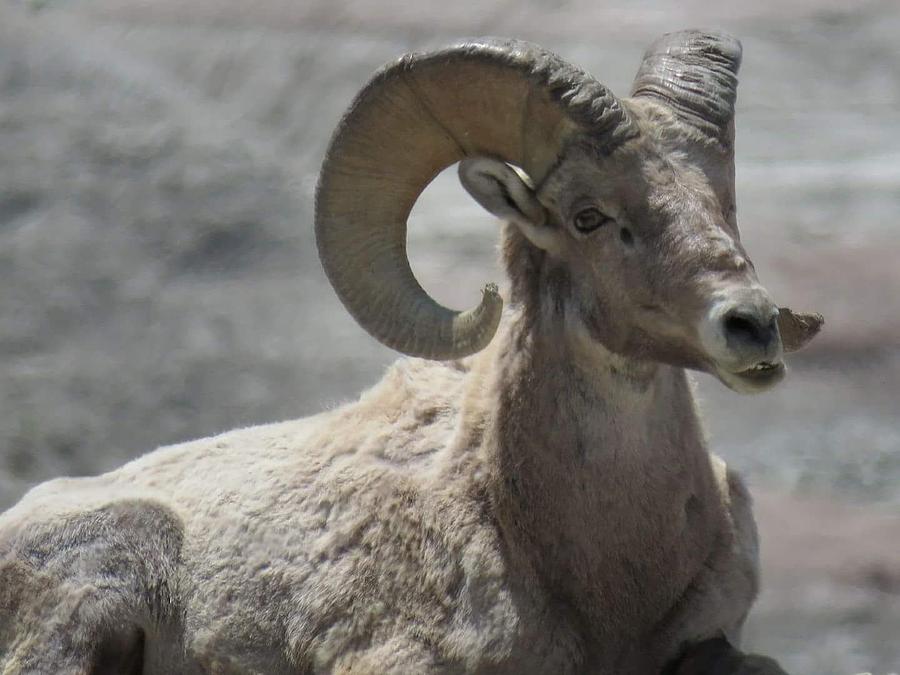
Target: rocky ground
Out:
[158,275]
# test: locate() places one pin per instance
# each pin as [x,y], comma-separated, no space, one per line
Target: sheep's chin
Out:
[752,380]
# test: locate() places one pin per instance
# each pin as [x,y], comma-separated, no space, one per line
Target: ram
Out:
[533,494]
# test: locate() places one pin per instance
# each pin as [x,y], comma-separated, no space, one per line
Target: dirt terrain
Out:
[159,280]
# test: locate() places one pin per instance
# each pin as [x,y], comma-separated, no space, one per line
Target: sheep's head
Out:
[626,206]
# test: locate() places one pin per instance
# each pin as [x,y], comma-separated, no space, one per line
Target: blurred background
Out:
[159,279]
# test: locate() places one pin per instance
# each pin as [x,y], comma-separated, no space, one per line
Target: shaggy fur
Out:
[397,534]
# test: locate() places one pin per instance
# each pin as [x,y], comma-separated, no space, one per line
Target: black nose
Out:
[744,327]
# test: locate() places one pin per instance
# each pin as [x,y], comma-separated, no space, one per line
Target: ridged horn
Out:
[695,74]
[501,98]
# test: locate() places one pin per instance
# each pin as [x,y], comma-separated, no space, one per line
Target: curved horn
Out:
[417,116]
[695,74]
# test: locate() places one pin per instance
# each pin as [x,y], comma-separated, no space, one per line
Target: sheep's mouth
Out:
[758,377]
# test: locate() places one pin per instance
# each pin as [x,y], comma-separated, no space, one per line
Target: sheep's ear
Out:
[797,329]
[499,189]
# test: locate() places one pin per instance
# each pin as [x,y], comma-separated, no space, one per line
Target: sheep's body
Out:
[375,538]
[547,505]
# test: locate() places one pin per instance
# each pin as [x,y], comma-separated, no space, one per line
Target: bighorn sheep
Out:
[534,495]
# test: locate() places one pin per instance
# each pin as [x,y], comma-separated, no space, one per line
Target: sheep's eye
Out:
[589,219]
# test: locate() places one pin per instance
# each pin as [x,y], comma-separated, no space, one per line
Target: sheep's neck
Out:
[598,462]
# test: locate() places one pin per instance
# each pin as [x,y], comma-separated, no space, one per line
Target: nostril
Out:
[748,329]
[741,326]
